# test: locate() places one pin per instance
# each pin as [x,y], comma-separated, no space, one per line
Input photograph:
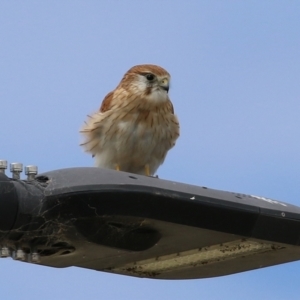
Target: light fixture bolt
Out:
[31,171]
[3,166]
[16,169]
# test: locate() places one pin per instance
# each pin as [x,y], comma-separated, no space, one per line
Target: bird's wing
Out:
[107,102]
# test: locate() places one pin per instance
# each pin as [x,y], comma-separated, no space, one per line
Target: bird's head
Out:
[148,82]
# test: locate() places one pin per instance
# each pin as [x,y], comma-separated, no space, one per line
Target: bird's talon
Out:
[147,170]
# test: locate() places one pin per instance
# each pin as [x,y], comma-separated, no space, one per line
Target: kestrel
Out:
[135,126]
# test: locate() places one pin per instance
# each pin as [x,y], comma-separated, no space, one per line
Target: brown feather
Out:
[106,103]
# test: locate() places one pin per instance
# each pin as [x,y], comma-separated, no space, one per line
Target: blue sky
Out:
[235,70]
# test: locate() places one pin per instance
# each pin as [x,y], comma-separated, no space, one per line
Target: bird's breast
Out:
[146,132]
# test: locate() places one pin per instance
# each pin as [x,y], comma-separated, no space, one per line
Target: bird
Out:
[135,126]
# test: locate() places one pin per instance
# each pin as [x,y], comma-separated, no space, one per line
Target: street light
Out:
[141,226]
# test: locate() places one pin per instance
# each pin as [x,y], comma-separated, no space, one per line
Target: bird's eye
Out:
[150,77]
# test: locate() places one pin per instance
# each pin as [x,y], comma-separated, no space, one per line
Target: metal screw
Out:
[35,257]
[4,252]
[3,166]
[31,171]
[19,255]
[16,169]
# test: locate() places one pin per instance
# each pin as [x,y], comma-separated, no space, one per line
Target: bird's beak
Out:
[164,84]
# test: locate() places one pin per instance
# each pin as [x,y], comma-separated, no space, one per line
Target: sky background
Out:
[235,87]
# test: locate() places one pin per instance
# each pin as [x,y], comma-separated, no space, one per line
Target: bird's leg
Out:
[117,167]
[147,170]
